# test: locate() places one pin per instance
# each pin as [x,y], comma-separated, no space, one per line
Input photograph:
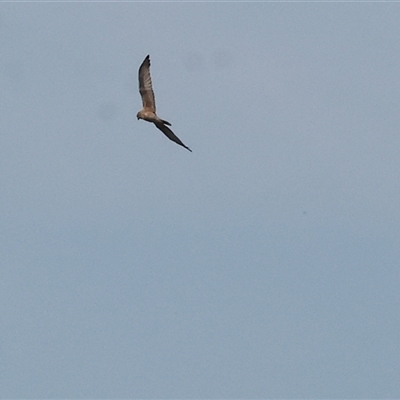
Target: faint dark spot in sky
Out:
[106,111]
[193,61]
[219,58]
[15,75]
[222,58]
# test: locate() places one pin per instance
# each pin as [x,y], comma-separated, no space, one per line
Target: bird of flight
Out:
[148,112]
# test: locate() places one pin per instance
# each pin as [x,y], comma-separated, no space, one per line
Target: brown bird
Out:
[148,112]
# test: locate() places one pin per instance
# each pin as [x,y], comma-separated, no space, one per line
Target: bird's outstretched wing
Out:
[169,134]
[145,85]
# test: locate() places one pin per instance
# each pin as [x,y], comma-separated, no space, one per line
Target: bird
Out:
[148,112]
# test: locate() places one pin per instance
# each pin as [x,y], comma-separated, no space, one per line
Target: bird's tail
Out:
[166,122]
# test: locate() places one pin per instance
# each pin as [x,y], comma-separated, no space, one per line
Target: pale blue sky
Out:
[265,264]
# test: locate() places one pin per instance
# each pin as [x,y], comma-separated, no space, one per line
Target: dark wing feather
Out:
[169,134]
[145,85]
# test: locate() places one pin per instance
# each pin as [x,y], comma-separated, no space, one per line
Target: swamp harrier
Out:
[148,112]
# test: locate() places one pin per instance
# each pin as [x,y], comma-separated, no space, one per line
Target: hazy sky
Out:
[265,264]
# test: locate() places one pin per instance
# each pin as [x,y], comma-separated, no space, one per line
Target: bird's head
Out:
[138,116]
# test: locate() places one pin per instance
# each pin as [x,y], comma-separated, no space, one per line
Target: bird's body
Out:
[148,112]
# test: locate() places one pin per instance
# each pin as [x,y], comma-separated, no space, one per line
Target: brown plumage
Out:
[148,112]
